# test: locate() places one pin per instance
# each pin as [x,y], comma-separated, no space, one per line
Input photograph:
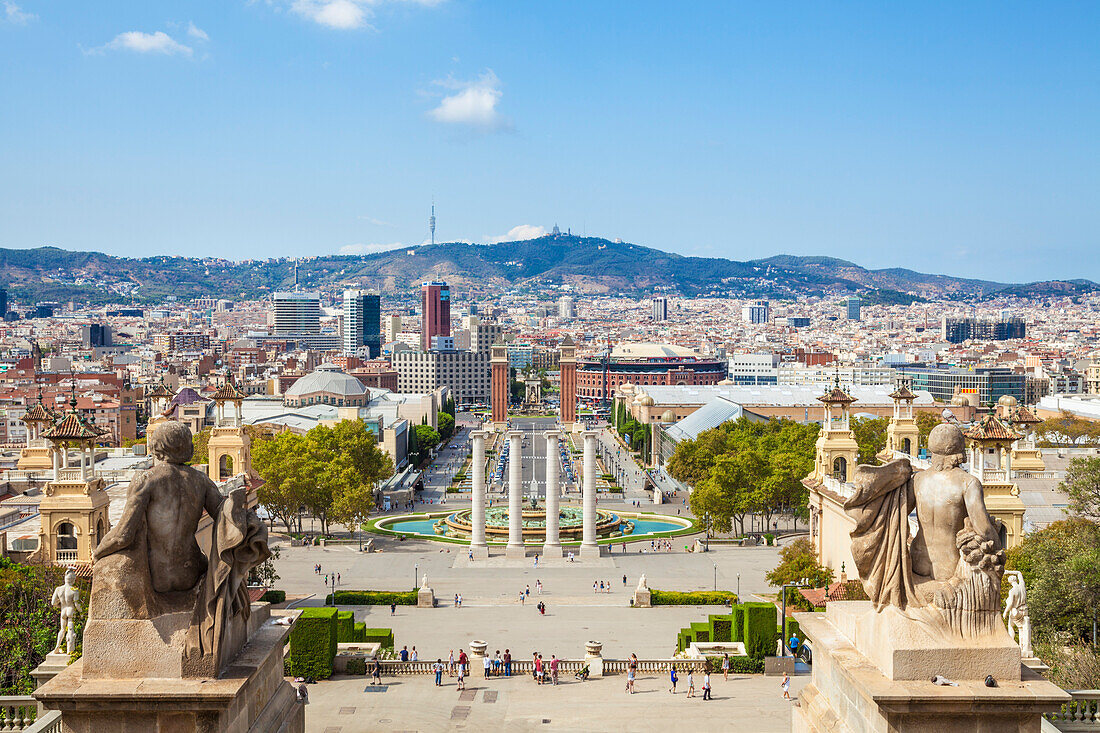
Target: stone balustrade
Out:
[49,722]
[17,712]
[1079,716]
[526,666]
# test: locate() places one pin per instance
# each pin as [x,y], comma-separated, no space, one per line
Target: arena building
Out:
[645,364]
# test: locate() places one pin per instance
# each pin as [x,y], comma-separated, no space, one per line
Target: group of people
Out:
[499,664]
[674,677]
[461,666]
[599,586]
[545,673]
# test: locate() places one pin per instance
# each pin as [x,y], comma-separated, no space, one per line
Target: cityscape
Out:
[254,477]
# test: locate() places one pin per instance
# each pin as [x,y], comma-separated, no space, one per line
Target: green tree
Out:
[446,425]
[798,562]
[1061,566]
[1067,430]
[278,461]
[426,439]
[1082,485]
[870,433]
[200,442]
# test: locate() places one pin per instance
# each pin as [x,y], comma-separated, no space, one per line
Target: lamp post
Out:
[739,587]
[716,577]
[416,574]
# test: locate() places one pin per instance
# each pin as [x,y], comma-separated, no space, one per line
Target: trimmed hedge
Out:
[360,632]
[792,629]
[737,632]
[373,598]
[691,598]
[345,626]
[357,665]
[313,643]
[683,640]
[273,596]
[721,627]
[739,665]
[700,632]
[378,636]
[761,624]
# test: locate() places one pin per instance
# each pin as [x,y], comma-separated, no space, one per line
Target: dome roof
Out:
[1007,400]
[646,400]
[668,416]
[626,388]
[327,380]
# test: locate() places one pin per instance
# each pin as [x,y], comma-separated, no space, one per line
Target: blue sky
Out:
[950,137]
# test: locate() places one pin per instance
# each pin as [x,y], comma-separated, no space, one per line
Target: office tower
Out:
[957,330]
[362,322]
[758,312]
[660,309]
[851,304]
[297,313]
[567,308]
[435,310]
[3,302]
[392,327]
[94,335]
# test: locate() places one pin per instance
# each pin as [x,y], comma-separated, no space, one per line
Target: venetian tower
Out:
[499,387]
[1025,454]
[568,366]
[902,434]
[989,445]
[228,450]
[160,397]
[836,451]
[74,505]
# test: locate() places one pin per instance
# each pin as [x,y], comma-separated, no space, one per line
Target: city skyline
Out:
[945,139]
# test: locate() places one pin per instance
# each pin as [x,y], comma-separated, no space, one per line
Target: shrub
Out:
[360,632]
[793,629]
[313,643]
[761,623]
[721,628]
[274,596]
[739,665]
[357,665]
[737,631]
[345,626]
[700,633]
[691,598]
[769,538]
[373,598]
[379,636]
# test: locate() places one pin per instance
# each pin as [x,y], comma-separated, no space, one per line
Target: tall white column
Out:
[589,548]
[515,495]
[477,512]
[552,545]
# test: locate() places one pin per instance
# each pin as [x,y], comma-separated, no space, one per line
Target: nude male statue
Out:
[67,598]
[161,515]
[946,496]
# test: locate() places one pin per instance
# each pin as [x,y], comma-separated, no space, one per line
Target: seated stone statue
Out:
[954,562]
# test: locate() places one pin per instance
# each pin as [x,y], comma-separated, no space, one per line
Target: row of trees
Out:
[636,434]
[331,472]
[743,467]
[1067,430]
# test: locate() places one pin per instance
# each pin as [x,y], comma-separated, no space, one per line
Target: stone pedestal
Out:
[251,695]
[593,657]
[478,650]
[642,598]
[425,598]
[849,691]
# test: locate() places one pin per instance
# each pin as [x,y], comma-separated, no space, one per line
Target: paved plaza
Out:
[413,703]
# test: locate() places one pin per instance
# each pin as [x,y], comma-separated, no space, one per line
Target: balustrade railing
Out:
[17,712]
[65,556]
[1080,715]
[527,666]
[50,722]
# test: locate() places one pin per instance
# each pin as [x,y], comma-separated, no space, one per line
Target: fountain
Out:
[460,525]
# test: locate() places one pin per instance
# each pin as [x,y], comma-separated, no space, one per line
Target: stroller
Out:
[582,674]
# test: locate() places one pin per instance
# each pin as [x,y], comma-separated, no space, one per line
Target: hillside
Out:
[589,264]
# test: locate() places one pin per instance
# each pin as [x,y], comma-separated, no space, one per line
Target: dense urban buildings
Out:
[645,364]
[296,314]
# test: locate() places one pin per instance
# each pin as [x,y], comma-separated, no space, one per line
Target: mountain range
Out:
[588,264]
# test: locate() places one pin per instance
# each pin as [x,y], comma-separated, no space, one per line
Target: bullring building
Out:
[645,364]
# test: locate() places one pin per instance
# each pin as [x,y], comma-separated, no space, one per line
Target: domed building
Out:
[327,386]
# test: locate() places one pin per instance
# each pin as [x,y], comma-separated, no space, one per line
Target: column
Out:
[477,512]
[515,495]
[552,546]
[589,548]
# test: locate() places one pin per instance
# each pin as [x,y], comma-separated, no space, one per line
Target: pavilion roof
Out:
[228,392]
[38,413]
[1023,416]
[990,428]
[837,395]
[72,427]
[903,393]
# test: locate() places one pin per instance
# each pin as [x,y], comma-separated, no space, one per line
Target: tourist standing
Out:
[538,668]
[451,663]
[487,665]
[706,684]
[538,587]
[631,672]
[726,666]
[522,598]
[463,665]
[496,663]
[507,663]
[672,678]
[376,673]
[438,668]
[393,609]
[553,669]
[691,682]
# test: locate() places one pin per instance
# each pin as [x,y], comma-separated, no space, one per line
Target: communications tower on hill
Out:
[431,222]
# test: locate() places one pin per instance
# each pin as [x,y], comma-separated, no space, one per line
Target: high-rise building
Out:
[758,312]
[435,310]
[95,335]
[567,308]
[851,305]
[957,330]
[3,302]
[297,313]
[660,309]
[362,322]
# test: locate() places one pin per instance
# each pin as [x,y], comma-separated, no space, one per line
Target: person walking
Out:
[538,587]
[595,587]
[438,669]
[376,673]
[672,678]
[393,609]
[463,667]
[786,686]
[527,591]
[726,666]
[507,663]
[691,682]
[624,579]
[522,598]
[451,663]
[706,684]
[460,600]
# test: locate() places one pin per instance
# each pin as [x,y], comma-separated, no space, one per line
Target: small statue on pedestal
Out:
[1019,621]
[67,598]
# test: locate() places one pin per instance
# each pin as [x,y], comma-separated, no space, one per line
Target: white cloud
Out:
[366,249]
[518,234]
[16,15]
[473,103]
[159,42]
[340,14]
[197,33]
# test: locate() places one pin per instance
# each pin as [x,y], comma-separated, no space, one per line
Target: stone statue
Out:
[149,566]
[67,598]
[642,583]
[954,563]
[424,581]
[1015,613]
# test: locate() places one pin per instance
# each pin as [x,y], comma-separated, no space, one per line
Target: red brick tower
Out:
[499,385]
[568,365]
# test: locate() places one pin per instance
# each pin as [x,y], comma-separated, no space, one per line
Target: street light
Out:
[739,587]
[416,574]
[716,577]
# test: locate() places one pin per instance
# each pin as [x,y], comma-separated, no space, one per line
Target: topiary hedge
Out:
[721,627]
[737,631]
[691,598]
[739,665]
[373,598]
[761,622]
[313,643]
[700,632]
[345,627]
[273,596]
[378,636]
[360,632]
